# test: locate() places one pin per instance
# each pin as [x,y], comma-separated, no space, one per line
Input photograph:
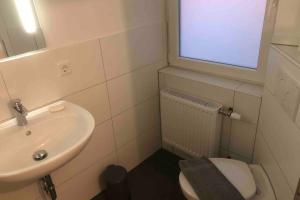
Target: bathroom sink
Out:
[53,136]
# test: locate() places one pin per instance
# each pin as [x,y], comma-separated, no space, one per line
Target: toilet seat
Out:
[237,172]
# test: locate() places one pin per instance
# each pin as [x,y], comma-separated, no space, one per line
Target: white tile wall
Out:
[248,106]
[242,138]
[297,120]
[250,89]
[287,93]
[131,89]
[4,98]
[277,144]
[264,157]
[71,21]
[283,81]
[282,135]
[145,44]
[24,191]
[131,123]
[36,79]
[100,145]
[274,63]
[95,100]
[86,184]
[140,148]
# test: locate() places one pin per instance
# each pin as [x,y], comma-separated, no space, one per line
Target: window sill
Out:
[246,88]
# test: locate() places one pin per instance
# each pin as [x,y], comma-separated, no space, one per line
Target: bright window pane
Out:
[222,31]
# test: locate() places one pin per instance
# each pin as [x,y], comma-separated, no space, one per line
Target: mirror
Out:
[20,31]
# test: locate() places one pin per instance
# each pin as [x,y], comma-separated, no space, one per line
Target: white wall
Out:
[287,27]
[277,146]
[238,137]
[115,49]
[75,20]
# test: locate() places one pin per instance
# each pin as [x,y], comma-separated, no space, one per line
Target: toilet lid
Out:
[237,172]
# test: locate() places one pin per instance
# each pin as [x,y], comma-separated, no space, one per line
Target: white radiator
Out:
[190,125]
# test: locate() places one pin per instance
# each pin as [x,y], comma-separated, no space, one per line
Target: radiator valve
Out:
[228,112]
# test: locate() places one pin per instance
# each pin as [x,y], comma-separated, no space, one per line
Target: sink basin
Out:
[61,129]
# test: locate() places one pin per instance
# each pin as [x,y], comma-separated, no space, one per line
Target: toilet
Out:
[250,180]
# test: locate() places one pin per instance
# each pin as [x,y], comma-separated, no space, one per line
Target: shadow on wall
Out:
[138,55]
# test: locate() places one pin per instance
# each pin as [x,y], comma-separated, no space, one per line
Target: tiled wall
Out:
[71,21]
[277,147]
[238,137]
[287,29]
[114,76]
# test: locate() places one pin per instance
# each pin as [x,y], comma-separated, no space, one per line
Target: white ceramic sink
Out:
[62,134]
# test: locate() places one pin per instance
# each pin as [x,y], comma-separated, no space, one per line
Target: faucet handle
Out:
[17,105]
[13,103]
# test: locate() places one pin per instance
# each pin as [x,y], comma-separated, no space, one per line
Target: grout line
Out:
[277,163]
[5,85]
[63,98]
[112,153]
[257,129]
[82,90]
[109,101]
[268,177]
[140,134]
[103,122]
[130,28]
[116,146]
[113,126]
[102,59]
[140,68]
[65,45]
[135,138]
[136,104]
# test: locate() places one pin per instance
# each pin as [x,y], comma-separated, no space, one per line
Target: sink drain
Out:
[40,155]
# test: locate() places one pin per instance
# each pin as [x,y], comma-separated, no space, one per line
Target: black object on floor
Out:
[154,179]
[115,178]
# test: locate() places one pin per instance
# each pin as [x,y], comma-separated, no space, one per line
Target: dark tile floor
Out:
[155,179]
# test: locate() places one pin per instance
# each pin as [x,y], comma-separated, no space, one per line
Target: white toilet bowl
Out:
[250,180]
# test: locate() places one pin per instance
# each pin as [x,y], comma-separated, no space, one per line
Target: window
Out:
[222,31]
[230,38]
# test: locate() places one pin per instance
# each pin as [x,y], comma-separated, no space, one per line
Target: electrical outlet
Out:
[64,68]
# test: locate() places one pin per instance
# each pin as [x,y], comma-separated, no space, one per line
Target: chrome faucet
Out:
[19,111]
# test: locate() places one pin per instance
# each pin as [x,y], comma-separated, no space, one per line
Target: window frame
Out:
[256,76]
